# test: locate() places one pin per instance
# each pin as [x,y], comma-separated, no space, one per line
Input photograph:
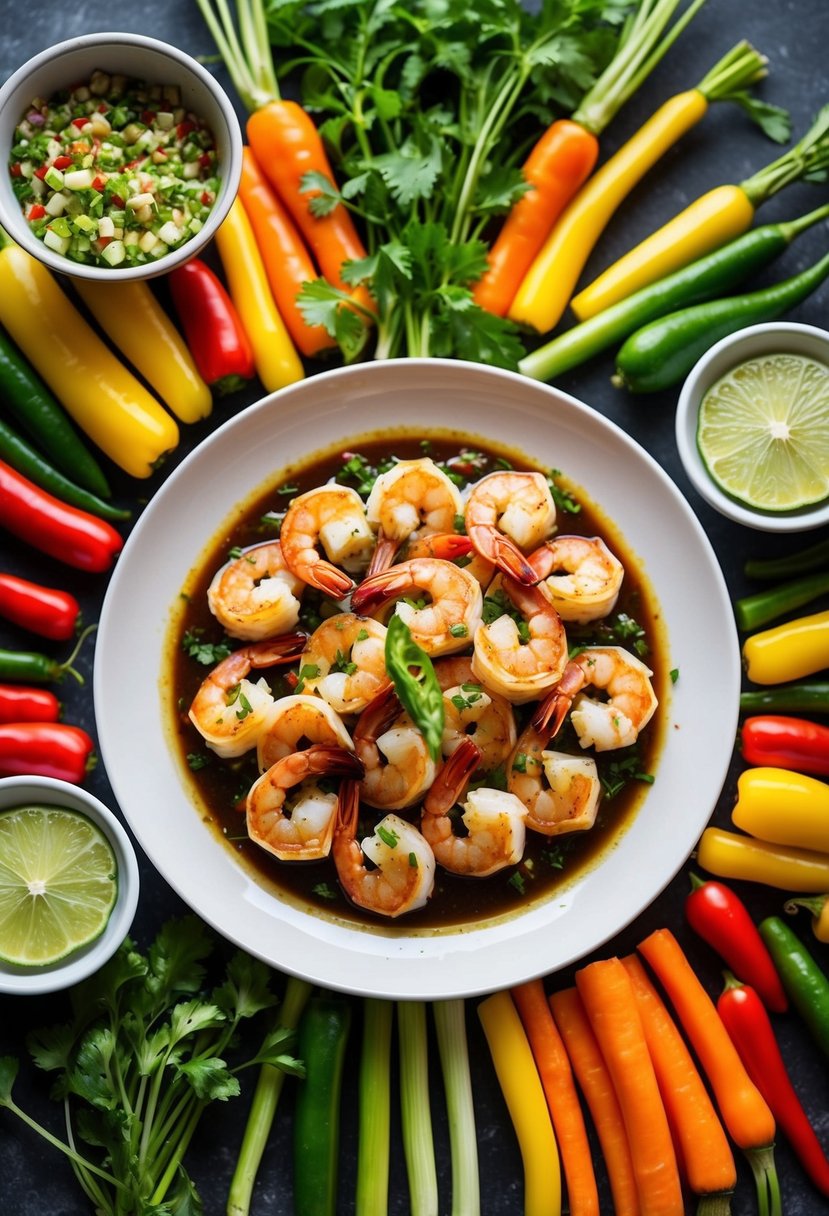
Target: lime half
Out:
[763,432]
[58,883]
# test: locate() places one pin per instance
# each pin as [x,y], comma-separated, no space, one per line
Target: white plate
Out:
[189,511]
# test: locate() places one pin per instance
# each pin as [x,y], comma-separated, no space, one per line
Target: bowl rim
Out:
[80,964]
[708,368]
[19,230]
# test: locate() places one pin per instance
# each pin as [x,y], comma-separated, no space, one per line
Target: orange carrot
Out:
[288,264]
[559,163]
[702,1143]
[607,993]
[745,1113]
[562,1099]
[594,1080]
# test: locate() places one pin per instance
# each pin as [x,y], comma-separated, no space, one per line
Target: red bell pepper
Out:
[751,1031]
[218,343]
[45,749]
[64,532]
[722,920]
[44,610]
[791,743]
[21,703]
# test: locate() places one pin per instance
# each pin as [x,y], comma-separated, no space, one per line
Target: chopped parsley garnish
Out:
[206,653]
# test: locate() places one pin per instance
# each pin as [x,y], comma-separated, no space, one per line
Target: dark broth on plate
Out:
[549,863]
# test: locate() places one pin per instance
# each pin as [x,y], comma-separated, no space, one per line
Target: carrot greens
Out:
[147,1049]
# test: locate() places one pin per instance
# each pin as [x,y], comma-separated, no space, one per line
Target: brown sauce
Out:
[549,863]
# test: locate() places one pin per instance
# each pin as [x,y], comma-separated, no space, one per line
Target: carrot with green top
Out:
[702,1145]
[597,1087]
[566,154]
[547,286]
[559,1087]
[744,1112]
[709,222]
[610,1004]
[524,1096]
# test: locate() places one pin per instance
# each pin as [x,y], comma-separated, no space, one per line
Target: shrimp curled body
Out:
[255,595]
[448,621]
[508,514]
[403,876]
[334,517]
[344,661]
[520,668]
[398,768]
[580,575]
[414,498]
[295,723]
[561,792]
[304,834]
[603,724]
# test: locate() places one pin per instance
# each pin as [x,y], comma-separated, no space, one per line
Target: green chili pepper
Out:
[415,683]
[30,667]
[21,456]
[26,396]
[804,981]
[662,353]
[814,557]
[323,1036]
[701,280]
[752,611]
[812,696]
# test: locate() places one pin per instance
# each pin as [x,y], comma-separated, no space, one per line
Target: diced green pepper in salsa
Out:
[114,171]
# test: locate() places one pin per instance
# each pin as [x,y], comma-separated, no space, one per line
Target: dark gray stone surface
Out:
[35,1181]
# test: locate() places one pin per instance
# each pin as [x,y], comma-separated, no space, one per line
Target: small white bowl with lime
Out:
[752,427]
[68,884]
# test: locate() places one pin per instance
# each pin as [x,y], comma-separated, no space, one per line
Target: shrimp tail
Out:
[326,577]
[384,554]
[374,590]
[451,781]
[276,650]
[326,759]
[551,712]
[509,558]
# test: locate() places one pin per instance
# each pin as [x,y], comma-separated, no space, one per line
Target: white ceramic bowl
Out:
[331,411]
[144,59]
[46,791]
[787,336]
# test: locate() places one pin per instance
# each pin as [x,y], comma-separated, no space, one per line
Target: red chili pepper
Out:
[36,211]
[41,171]
[72,536]
[792,743]
[217,341]
[44,610]
[20,703]
[62,162]
[45,749]
[99,182]
[751,1031]
[722,920]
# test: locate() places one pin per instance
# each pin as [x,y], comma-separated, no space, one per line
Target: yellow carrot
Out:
[132,317]
[527,1106]
[276,359]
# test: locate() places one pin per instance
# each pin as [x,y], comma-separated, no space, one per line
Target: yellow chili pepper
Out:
[818,905]
[789,651]
[729,855]
[106,400]
[548,285]
[276,359]
[712,220]
[132,317]
[783,807]
[524,1096]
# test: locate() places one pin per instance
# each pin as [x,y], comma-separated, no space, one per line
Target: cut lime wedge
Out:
[763,432]
[58,884]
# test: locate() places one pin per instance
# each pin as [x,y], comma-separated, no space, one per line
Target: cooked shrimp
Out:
[229,711]
[344,661]
[493,834]
[398,768]
[414,498]
[520,660]
[255,595]
[471,712]
[561,792]
[333,516]
[303,832]
[403,874]
[453,547]
[295,723]
[603,724]
[448,621]
[580,575]
[508,513]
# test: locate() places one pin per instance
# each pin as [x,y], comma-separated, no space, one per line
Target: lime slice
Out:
[58,883]
[763,432]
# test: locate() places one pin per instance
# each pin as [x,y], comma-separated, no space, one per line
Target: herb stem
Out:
[416,1117]
[450,1024]
[185,1136]
[57,1143]
[372,1189]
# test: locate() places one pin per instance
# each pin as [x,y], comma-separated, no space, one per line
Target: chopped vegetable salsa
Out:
[114,171]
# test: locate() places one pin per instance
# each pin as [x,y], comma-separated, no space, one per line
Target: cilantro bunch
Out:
[428,108]
[145,1052]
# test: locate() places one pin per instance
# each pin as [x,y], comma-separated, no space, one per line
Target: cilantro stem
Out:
[263,1106]
[57,1143]
[180,1147]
